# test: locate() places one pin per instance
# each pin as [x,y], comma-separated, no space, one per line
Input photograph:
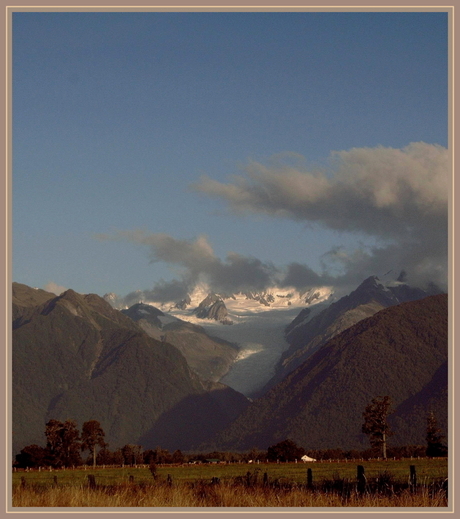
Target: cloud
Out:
[396,197]
[198,264]
[163,291]
[54,288]
[399,197]
[379,191]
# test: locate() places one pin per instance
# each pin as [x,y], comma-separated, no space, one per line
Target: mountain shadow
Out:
[194,420]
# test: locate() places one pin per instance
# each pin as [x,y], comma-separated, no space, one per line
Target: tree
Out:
[63,442]
[256,454]
[162,455]
[132,454]
[105,457]
[92,435]
[70,443]
[375,422]
[118,458]
[434,438]
[53,439]
[177,457]
[32,456]
[286,450]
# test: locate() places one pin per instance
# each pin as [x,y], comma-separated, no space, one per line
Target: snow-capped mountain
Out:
[240,304]
[236,307]
[257,319]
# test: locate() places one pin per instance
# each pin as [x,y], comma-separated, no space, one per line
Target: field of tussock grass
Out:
[235,487]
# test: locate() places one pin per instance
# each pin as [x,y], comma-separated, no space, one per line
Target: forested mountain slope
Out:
[75,357]
[400,351]
[306,334]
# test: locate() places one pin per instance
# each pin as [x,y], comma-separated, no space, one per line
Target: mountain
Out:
[256,329]
[209,357]
[142,313]
[213,307]
[25,299]
[307,333]
[75,357]
[194,307]
[400,351]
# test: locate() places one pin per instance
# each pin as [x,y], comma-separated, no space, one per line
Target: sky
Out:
[154,151]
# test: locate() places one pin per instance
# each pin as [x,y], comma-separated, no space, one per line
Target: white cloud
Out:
[54,288]
[365,189]
[397,196]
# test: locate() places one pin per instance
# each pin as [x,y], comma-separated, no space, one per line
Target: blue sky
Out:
[159,149]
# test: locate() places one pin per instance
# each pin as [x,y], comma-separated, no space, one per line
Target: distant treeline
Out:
[65,444]
[34,456]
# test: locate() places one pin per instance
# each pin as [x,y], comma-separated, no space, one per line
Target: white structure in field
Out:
[307,458]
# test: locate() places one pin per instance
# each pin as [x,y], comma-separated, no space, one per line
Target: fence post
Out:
[412,478]
[91,481]
[248,478]
[361,479]
[265,479]
[23,482]
[55,481]
[131,479]
[309,478]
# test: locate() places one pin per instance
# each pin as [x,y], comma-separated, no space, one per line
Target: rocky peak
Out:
[182,305]
[212,307]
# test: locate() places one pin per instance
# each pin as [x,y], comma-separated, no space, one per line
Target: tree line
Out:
[65,446]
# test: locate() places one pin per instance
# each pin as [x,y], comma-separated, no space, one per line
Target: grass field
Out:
[332,484]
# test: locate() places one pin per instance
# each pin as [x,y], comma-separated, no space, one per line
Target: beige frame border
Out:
[7,234]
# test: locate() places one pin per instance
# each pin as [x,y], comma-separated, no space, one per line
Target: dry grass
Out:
[223,494]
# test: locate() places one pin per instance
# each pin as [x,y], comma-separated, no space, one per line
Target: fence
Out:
[383,483]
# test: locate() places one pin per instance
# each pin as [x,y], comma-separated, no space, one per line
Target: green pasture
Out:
[427,471]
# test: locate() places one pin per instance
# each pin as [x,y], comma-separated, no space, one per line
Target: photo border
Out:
[5,310]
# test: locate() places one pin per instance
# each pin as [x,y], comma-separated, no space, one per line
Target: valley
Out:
[269,366]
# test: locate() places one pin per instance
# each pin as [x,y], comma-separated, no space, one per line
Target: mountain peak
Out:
[212,307]
[371,281]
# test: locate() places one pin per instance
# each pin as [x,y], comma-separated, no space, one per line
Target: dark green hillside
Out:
[396,352]
[410,417]
[210,357]
[134,383]
[203,415]
[77,358]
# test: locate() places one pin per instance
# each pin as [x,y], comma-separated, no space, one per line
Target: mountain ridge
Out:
[397,351]
[306,334]
[208,356]
[77,357]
